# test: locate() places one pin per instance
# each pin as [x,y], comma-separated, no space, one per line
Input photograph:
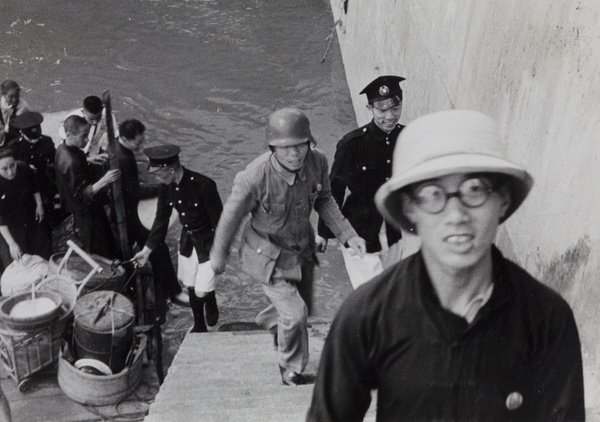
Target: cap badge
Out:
[384,90]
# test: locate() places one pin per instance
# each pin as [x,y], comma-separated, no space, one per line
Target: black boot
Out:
[212,311]
[197,305]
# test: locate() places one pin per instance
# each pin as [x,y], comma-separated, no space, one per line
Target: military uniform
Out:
[196,199]
[39,154]
[277,245]
[362,163]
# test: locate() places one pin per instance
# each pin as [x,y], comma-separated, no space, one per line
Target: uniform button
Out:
[196,204]
[364,129]
[388,161]
[192,178]
[364,168]
[179,202]
[514,400]
[387,142]
[177,189]
[183,214]
[170,204]
[387,178]
[259,250]
[185,225]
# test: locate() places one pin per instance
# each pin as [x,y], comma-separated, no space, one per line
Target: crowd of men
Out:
[453,332]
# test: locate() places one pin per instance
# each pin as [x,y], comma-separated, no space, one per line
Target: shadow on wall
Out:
[560,271]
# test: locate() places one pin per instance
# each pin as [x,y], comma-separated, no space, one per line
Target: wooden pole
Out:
[116,188]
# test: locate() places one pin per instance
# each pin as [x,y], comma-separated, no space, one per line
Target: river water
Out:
[203,74]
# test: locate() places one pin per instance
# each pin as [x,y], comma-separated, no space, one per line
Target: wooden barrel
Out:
[103,328]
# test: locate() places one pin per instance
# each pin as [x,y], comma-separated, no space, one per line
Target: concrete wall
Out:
[533,65]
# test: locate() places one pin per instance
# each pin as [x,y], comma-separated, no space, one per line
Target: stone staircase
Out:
[232,376]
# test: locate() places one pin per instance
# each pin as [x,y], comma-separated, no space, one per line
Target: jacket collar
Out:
[380,135]
[289,176]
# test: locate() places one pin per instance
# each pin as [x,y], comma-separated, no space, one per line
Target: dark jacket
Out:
[197,201]
[74,179]
[362,163]
[41,156]
[429,364]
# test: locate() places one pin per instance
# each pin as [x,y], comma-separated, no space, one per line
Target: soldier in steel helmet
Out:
[279,189]
[362,163]
[455,331]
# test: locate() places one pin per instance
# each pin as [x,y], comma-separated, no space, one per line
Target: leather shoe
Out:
[291,378]
[181,299]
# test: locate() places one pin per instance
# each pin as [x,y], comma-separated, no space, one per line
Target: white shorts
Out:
[194,274]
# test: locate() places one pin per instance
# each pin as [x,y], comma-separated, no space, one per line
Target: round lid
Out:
[103,310]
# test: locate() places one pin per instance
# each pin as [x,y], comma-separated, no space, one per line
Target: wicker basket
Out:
[100,390]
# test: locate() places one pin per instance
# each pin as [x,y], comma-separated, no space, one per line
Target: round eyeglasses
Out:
[472,193]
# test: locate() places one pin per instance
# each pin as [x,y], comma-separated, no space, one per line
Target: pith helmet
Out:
[445,143]
[287,127]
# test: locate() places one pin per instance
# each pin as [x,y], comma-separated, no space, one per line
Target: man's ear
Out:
[409,207]
[506,197]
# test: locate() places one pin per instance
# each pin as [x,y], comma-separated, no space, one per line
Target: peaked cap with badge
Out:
[29,123]
[385,91]
[162,156]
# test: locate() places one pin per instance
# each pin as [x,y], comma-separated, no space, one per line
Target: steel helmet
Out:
[287,127]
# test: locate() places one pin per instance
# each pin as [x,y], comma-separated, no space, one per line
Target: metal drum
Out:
[103,329]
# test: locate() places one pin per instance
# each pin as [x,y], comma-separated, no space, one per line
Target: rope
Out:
[330,38]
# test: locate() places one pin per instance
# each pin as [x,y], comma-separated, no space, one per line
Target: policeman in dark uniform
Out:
[38,151]
[196,199]
[362,163]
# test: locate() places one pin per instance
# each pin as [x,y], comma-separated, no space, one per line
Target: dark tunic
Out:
[74,180]
[199,205]
[362,163]
[133,191]
[17,212]
[429,364]
[41,156]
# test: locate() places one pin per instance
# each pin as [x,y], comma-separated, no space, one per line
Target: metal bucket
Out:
[78,268]
[103,329]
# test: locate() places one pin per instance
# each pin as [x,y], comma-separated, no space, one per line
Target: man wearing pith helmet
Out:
[279,189]
[455,331]
[362,163]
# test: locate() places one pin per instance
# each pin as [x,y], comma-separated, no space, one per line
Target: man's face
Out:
[80,139]
[458,237]
[386,118]
[291,157]
[32,135]
[165,175]
[12,97]
[134,144]
[8,168]
[91,118]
